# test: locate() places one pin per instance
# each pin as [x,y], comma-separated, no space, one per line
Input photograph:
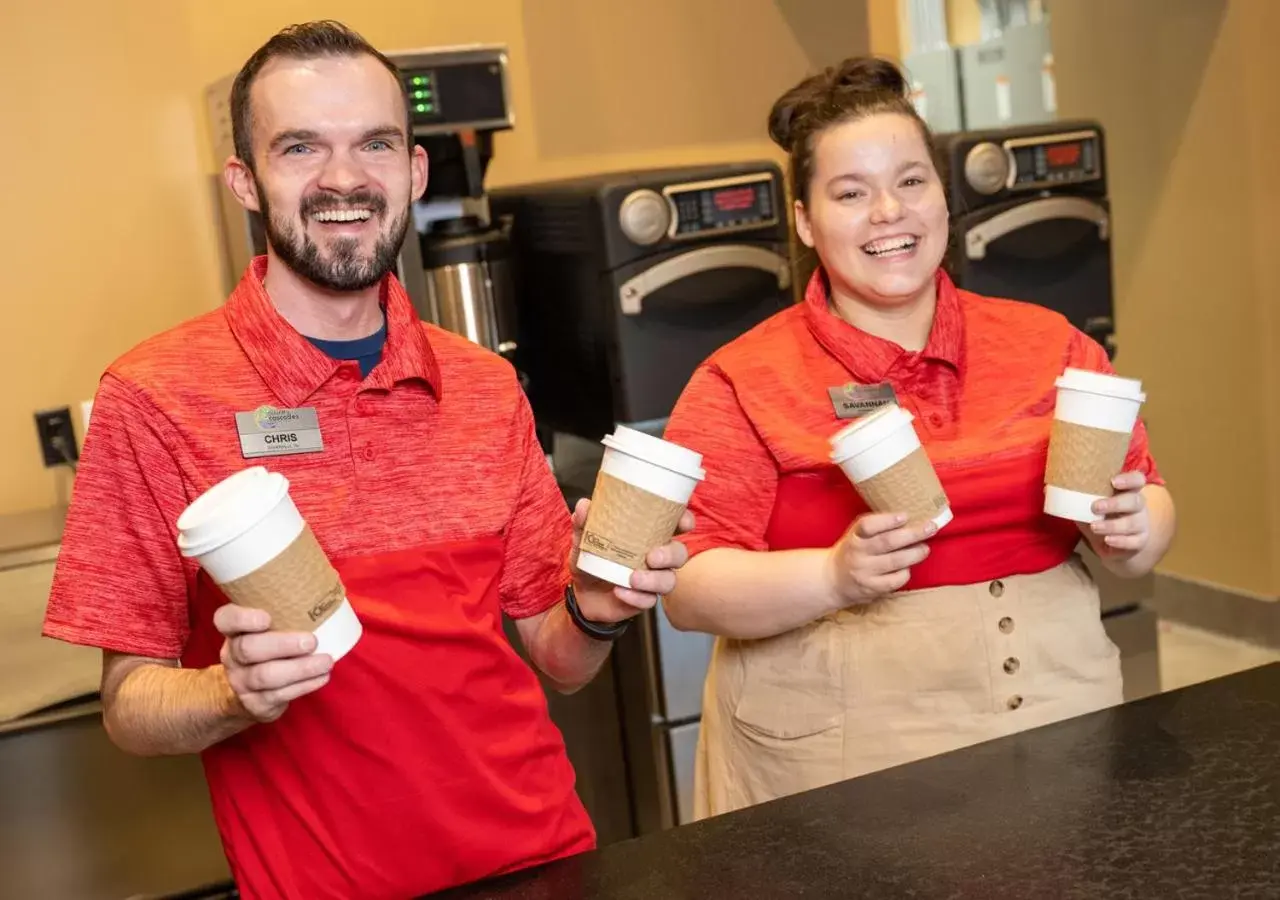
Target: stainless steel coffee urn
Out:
[467,266]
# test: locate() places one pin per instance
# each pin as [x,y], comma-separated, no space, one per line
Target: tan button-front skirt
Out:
[911,676]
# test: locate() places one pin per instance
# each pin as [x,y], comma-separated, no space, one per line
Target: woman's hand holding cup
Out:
[875,556]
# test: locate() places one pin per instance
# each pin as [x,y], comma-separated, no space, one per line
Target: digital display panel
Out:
[423,94]
[709,208]
[734,199]
[1064,156]
[1070,159]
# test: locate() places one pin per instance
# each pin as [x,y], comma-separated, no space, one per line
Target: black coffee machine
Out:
[1031,220]
[627,281]
[461,278]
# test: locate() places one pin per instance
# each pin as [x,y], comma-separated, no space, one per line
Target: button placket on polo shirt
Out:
[918,380]
[357,409]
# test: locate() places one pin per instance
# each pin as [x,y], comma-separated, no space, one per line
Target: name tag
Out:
[853,401]
[268,431]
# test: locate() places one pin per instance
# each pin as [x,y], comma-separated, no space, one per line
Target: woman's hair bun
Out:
[783,115]
[870,75]
[855,83]
[858,87]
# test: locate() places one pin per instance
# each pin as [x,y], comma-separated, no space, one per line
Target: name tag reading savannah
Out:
[853,401]
[268,431]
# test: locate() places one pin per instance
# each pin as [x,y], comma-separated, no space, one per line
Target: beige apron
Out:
[910,676]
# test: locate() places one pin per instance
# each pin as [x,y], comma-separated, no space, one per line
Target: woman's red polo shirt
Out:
[761,411]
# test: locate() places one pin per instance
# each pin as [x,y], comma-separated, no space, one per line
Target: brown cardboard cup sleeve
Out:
[626,522]
[1085,459]
[908,486]
[299,588]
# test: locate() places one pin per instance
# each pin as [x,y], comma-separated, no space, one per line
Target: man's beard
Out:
[344,268]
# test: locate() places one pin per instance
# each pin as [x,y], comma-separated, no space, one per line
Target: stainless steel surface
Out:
[467,297]
[1024,214]
[409,271]
[682,658]
[81,819]
[65,712]
[987,168]
[644,217]
[682,742]
[632,292]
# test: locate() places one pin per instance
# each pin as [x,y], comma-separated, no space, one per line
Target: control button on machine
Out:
[986,168]
[644,217]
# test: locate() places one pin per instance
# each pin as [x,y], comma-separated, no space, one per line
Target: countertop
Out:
[30,537]
[1173,796]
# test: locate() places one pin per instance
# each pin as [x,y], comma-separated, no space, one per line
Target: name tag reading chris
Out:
[853,401]
[268,431]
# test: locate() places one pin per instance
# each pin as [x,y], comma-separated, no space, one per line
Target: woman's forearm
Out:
[747,595]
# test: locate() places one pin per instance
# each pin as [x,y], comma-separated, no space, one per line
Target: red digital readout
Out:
[735,199]
[1060,156]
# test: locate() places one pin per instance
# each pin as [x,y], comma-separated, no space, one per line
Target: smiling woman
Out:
[869,199]
[847,641]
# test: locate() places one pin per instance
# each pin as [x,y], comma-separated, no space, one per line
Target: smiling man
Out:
[426,756]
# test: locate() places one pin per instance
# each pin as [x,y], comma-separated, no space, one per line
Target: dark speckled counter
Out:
[1175,796]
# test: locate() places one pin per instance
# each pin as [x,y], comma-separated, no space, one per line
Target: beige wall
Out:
[1187,92]
[110,235]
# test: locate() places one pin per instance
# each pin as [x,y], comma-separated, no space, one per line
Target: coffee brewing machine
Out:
[455,261]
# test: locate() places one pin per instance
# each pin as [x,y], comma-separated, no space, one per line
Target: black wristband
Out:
[597,630]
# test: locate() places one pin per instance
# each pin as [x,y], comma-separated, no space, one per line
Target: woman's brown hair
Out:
[858,87]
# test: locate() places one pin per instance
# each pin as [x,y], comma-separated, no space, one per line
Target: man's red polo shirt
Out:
[430,758]
[760,411]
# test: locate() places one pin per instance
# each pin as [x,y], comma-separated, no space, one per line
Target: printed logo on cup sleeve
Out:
[626,522]
[300,588]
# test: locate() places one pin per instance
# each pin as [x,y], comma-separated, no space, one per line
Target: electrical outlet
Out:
[86,410]
[57,437]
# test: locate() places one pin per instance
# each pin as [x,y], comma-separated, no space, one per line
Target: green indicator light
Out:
[419,80]
[422,107]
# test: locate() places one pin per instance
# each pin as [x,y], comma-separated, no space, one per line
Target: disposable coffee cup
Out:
[1093,424]
[248,535]
[642,489]
[882,455]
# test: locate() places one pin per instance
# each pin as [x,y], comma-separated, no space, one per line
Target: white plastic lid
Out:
[661,453]
[868,431]
[229,509]
[1098,383]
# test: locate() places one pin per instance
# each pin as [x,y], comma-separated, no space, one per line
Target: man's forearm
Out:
[565,654]
[157,710]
